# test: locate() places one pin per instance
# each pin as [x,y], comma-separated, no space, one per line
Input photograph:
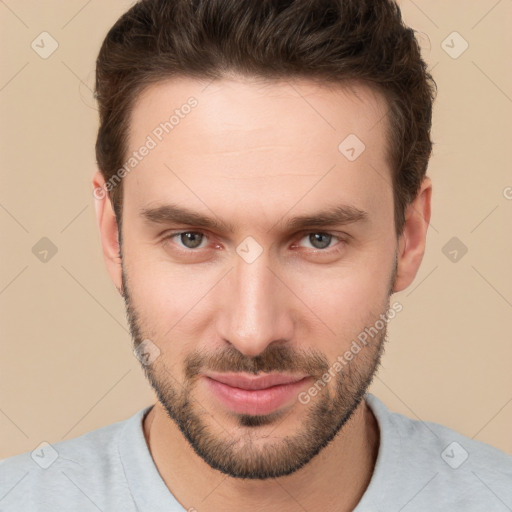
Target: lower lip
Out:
[255,401]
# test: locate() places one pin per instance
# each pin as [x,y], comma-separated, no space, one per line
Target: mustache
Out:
[275,358]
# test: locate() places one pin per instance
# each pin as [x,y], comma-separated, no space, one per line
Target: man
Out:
[261,194]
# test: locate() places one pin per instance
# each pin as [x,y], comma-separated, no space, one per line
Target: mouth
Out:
[255,394]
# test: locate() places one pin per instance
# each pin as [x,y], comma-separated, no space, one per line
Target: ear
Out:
[108,228]
[411,244]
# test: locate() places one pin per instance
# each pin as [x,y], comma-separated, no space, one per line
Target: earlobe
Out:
[411,245]
[108,230]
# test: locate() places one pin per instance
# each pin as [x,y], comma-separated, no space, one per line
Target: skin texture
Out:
[255,154]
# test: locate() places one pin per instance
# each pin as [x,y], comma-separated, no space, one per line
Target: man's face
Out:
[256,294]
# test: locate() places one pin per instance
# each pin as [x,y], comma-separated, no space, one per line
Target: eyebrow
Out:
[172,213]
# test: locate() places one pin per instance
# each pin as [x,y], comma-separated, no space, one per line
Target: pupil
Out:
[315,237]
[188,239]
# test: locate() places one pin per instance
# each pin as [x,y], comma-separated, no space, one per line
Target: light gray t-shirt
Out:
[421,466]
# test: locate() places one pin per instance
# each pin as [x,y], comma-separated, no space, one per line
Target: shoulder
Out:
[428,440]
[431,463]
[86,469]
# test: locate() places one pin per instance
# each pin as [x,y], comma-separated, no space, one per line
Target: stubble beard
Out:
[240,452]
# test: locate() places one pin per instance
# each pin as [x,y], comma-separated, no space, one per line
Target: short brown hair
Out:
[332,41]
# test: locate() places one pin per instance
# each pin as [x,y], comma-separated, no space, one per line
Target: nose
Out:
[256,307]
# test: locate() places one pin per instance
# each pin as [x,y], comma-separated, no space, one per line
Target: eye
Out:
[320,240]
[188,239]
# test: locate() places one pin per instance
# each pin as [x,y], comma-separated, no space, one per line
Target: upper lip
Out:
[253,382]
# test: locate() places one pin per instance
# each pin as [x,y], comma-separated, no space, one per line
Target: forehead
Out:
[257,142]
[230,107]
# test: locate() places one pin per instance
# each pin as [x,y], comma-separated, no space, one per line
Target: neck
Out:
[334,480]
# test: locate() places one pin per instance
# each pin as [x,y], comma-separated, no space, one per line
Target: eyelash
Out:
[339,237]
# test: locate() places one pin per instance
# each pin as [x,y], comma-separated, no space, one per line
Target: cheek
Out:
[169,299]
[347,298]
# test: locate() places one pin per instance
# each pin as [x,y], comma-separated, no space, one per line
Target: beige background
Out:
[66,361]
